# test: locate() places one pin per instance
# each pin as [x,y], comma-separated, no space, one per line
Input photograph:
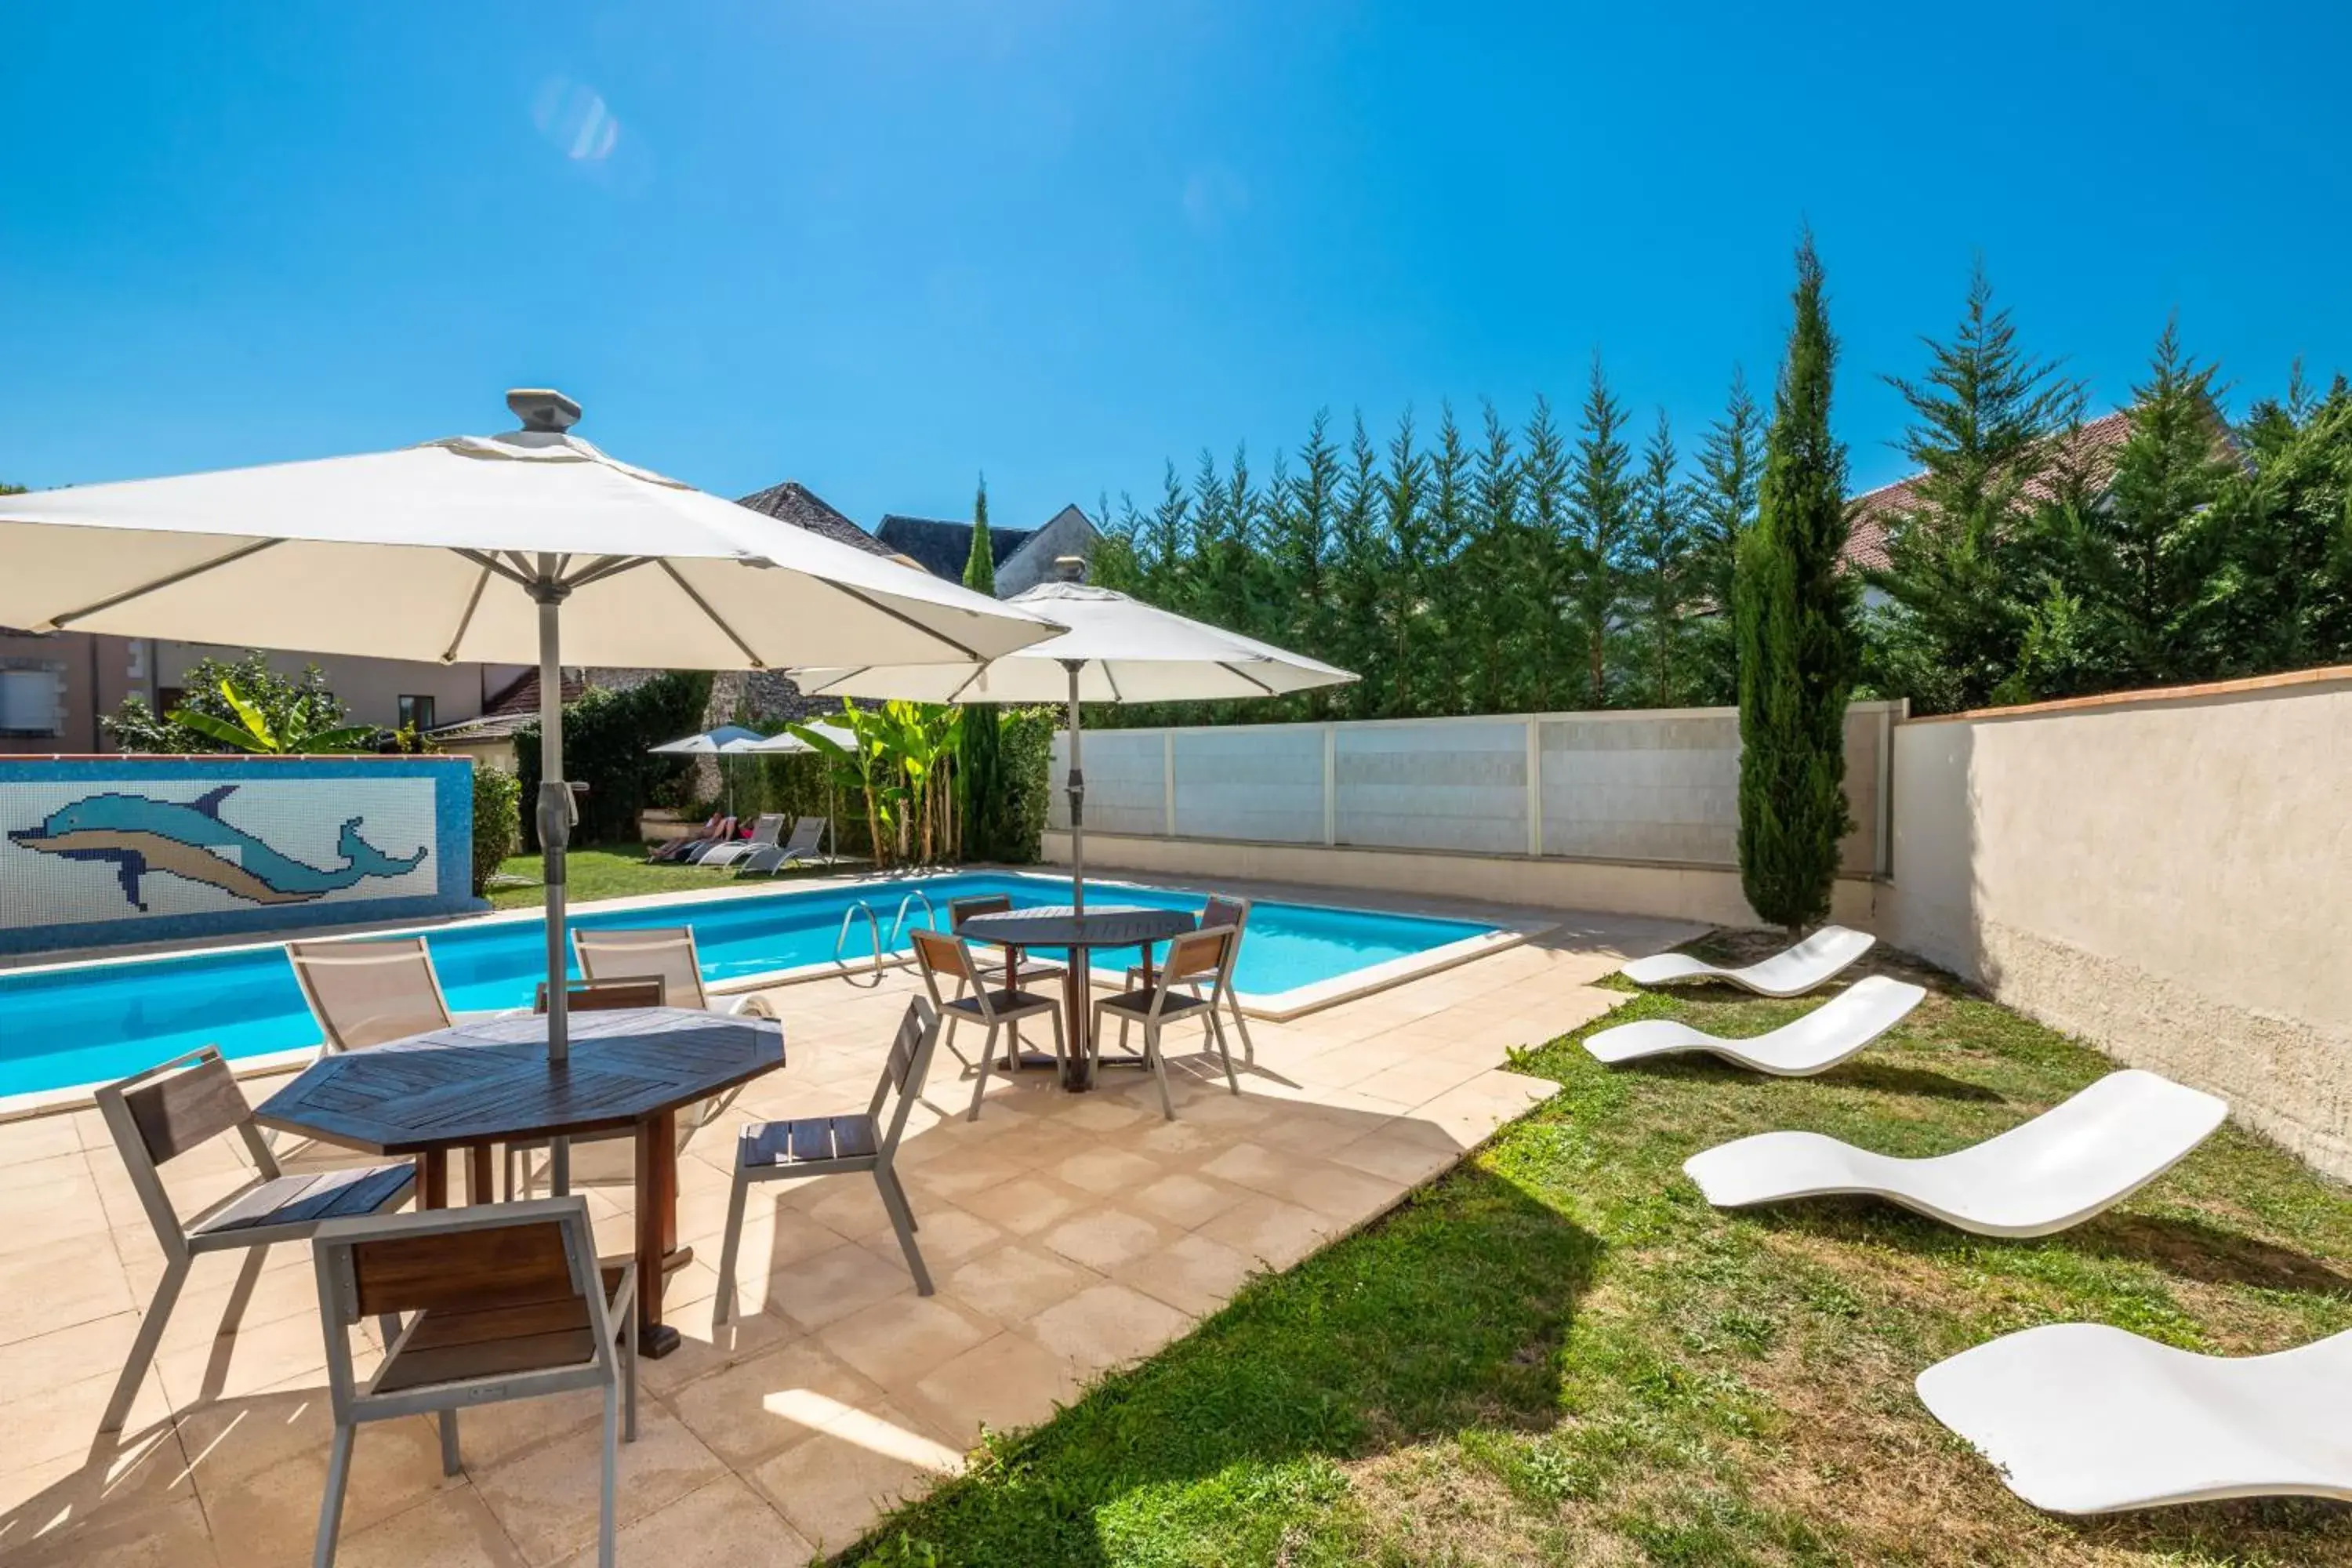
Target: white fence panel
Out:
[1126,790]
[1643,787]
[1262,782]
[1449,785]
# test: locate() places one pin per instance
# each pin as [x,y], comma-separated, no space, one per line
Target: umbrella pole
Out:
[1077,795]
[554,833]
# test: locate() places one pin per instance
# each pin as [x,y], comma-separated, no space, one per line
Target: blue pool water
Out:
[103,1021]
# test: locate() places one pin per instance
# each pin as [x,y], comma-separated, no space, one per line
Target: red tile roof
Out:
[2095,445]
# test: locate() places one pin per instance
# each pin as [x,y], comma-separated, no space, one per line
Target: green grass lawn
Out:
[1559,1354]
[598,872]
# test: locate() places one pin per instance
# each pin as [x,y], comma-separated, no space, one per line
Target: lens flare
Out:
[575,120]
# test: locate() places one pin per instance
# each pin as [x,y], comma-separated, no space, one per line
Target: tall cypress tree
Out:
[1600,505]
[1404,505]
[1550,567]
[978,765]
[1797,645]
[1494,568]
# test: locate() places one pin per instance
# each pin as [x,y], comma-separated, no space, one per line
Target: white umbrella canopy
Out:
[518,548]
[1116,649]
[792,744]
[1126,651]
[726,741]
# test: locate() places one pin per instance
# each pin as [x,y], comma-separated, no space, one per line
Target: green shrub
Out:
[606,740]
[497,821]
[1025,764]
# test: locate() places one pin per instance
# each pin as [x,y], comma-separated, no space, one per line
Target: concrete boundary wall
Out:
[2166,875]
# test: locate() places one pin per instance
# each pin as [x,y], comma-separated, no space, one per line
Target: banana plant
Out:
[253,731]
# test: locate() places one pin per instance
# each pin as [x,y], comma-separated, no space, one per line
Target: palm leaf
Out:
[221,730]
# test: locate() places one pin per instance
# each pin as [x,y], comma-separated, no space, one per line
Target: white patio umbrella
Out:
[1116,649]
[791,744]
[726,741]
[508,548]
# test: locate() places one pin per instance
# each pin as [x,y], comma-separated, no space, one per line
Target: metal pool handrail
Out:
[873,928]
[931,916]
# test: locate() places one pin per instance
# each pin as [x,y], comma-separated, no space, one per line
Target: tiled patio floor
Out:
[1068,1235]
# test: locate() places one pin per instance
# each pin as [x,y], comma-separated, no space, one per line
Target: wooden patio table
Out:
[1063,926]
[489,1082]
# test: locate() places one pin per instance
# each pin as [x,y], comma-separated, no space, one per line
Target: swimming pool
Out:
[96,1022]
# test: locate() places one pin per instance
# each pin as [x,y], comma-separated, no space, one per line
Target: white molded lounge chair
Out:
[2083,1418]
[1814,1042]
[2059,1169]
[1789,974]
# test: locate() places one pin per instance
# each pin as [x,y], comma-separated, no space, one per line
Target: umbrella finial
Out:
[543,408]
[1070,568]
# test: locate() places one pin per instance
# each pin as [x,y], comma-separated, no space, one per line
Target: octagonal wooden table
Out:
[489,1082]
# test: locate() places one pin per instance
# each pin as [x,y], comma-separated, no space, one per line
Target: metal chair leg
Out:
[450,1463]
[612,1478]
[1217,1031]
[723,1305]
[987,1060]
[142,1346]
[1159,1069]
[1249,1046]
[902,1220]
[331,1503]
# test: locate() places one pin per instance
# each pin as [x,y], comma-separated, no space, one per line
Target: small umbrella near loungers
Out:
[727,740]
[509,548]
[1118,649]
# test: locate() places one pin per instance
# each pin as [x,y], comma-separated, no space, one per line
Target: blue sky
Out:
[880,246]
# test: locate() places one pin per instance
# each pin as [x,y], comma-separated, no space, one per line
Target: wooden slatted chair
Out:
[1201,957]
[602,1159]
[502,1301]
[161,1113]
[938,957]
[829,1145]
[1220,911]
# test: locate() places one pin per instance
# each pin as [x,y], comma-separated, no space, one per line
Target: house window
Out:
[170,698]
[32,701]
[417,713]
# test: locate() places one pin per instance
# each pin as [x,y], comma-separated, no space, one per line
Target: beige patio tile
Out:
[1192,1274]
[705,1347]
[256,1358]
[816,1291]
[1177,1144]
[490,1435]
[452,1529]
[724,1525]
[1425,1077]
[1105,1326]
[272,1516]
[1257,1167]
[65,1356]
[1339,1193]
[546,1500]
[966,1170]
[760,1406]
[774,1236]
[1275,1233]
[897,1342]
[1403,1160]
[944,1234]
[1013,1284]
[1105,1238]
[1100,1114]
[227,1441]
[1025,1205]
[98,1482]
[1007,1383]
[54,1422]
[52,1200]
[1105,1171]
[38,1137]
[174,1535]
[832,1486]
[1184,1199]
